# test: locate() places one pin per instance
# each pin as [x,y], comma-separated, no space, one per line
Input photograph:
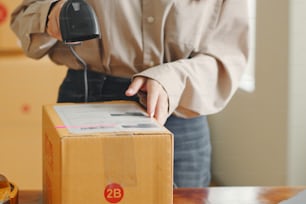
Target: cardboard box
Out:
[102,153]
[8,40]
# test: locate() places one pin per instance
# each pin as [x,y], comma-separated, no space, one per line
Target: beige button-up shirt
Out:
[196,49]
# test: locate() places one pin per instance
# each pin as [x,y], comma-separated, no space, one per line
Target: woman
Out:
[182,59]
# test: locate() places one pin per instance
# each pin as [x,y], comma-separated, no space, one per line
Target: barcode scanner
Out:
[78,22]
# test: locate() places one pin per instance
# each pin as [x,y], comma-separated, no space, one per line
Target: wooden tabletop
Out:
[212,195]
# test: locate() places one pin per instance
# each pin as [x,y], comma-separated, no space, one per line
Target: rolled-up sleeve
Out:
[204,83]
[28,21]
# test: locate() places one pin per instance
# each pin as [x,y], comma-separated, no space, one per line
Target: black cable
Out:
[85,70]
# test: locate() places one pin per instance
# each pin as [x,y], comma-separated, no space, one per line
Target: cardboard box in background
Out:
[8,40]
[25,85]
[105,153]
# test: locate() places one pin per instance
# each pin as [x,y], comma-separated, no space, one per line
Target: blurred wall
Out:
[259,139]
[250,136]
[25,85]
[297,94]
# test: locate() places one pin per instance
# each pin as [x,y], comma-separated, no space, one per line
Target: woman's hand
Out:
[157,98]
[53,24]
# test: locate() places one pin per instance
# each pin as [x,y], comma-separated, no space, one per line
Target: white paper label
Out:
[93,118]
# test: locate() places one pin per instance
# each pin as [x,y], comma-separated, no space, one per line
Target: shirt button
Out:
[150,19]
[151,63]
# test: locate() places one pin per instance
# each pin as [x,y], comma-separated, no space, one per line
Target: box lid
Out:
[107,118]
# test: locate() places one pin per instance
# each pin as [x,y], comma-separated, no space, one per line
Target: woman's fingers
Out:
[156,97]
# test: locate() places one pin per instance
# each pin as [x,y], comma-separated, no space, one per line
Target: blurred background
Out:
[259,139]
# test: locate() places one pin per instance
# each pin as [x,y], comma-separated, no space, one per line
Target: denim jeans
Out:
[192,147]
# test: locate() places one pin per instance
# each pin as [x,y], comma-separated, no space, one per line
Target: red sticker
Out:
[25,108]
[3,13]
[113,193]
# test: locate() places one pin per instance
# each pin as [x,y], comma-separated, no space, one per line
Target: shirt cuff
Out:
[170,80]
